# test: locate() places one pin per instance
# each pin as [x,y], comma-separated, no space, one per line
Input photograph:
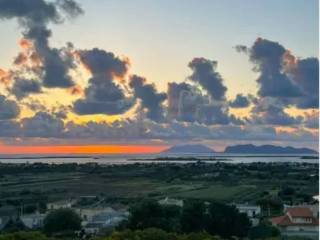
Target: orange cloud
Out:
[5,77]
[21,59]
[25,44]
[75,90]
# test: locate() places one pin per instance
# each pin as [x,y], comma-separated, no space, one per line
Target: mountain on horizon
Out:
[267,149]
[189,149]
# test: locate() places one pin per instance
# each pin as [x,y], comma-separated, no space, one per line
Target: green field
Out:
[222,182]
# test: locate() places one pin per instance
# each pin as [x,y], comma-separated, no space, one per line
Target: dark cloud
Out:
[71,7]
[100,62]
[204,73]
[87,107]
[312,120]
[240,101]
[105,93]
[187,103]
[242,48]
[151,100]
[34,16]
[118,130]
[305,74]
[10,128]
[42,125]
[270,111]
[268,57]
[283,76]
[184,101]
[213,115]
[23,87]
[175,90]
[8,109]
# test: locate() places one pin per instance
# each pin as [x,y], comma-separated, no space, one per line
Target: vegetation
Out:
[61,221]
[194,216]
[263,231]
[23,236]
[158,234]
[36,184]
[207,191]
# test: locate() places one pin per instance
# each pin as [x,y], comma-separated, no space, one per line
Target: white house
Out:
[171,201]
[297,221]
[107,219]
[60,204]
[33,221]
[252,211]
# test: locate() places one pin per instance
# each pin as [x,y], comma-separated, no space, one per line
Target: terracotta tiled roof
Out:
[281,221]
[285,221]
[299,212]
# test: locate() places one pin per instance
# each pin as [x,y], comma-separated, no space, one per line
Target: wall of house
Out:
[302,228]
[301,220]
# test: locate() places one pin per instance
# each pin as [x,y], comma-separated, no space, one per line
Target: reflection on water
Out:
[123,159]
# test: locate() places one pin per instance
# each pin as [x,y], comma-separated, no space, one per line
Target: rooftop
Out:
[299,212]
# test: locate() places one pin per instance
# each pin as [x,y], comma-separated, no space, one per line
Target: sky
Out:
[144,75]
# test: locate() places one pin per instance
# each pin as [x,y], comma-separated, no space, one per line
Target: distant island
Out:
[189,149]
[267,149]
[238,149]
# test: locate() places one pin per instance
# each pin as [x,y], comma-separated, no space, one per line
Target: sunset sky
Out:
[123,76]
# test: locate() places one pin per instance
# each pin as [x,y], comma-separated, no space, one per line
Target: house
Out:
[60,204]
[102,220]
[3,221]
[87,214]
[171,201]
[297,221]
[252,211]
[6,214]
[33,221]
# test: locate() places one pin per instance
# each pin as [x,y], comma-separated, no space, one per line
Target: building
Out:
[171,201]
[33,221]
[297,221]
[252,211]
[60,204]
[3,222]
[87,214]
[103,220]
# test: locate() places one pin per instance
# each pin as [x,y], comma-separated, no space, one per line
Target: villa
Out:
[297,221]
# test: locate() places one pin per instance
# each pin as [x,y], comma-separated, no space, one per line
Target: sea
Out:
[154,158]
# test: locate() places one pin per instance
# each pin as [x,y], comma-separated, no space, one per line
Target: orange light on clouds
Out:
[25,43]
[83,149]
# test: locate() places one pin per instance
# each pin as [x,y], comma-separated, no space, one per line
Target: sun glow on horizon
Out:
[83,149]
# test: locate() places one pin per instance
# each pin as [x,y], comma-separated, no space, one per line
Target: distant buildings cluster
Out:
[300,220]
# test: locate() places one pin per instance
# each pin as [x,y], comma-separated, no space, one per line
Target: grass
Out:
[218,192]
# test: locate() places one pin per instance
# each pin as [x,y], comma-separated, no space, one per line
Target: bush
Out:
[62,221]
[158,234]
[263,231]
[23,236]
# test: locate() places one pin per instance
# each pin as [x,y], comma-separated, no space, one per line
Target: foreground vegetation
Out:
[146,234]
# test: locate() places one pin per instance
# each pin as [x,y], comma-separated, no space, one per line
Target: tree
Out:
[150,214]
[14,225]
[226,221]
[158,234]
[62,220]
[263,231]
[193,216]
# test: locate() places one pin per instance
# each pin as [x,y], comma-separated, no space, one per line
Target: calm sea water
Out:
[131,159]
